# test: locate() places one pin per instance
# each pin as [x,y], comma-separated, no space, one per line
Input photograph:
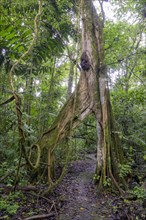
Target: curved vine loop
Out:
[38,155]
[17,97]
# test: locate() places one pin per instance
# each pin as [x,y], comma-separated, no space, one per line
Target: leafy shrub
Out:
[125,169]
[139,192]
[9,204]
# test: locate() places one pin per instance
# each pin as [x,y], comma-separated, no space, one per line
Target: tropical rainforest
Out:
[73,109]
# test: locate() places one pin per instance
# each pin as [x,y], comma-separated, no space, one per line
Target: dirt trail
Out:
[79,193]
[76,198]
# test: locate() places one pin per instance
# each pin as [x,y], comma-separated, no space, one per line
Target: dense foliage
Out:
[41,79]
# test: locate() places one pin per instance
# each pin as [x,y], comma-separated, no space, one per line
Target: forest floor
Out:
[76,198]
[79,192]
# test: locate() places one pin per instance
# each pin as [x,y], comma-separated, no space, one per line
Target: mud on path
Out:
[79,193]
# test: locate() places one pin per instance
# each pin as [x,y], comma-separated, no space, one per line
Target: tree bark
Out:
[70,79]
[90,96]
[109,154]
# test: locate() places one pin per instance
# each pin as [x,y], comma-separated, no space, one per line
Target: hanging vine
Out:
[18,99]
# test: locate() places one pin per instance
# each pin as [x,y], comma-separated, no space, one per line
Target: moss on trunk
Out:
[91,96]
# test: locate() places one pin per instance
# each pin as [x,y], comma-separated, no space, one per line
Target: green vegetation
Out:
[40,49]
[9,203]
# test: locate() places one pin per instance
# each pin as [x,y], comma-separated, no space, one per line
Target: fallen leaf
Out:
[81,208]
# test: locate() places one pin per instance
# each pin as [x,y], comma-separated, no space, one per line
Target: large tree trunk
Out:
[109,154]
[77,107]
[90,96]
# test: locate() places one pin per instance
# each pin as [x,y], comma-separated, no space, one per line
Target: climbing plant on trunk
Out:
[91,96]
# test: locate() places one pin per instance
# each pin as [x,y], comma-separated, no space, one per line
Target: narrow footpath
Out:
[79,193]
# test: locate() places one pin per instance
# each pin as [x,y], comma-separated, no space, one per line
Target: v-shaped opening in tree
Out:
[91,95]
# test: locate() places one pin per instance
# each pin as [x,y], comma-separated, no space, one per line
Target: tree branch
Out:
[40,216]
